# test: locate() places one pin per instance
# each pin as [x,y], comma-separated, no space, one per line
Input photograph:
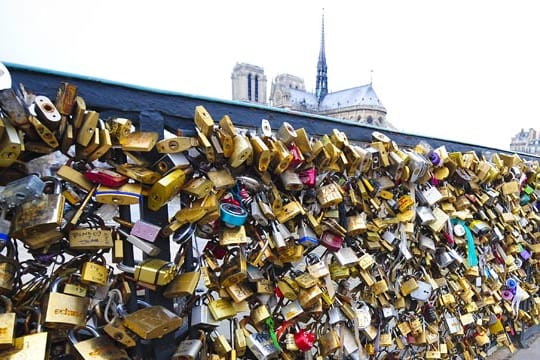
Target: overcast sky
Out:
[460,70]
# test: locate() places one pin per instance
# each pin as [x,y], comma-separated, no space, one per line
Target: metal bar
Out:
[177,109]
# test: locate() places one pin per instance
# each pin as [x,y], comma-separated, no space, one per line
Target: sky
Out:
[461,70]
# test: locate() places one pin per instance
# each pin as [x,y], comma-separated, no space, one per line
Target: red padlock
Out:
[308,177]
[331,241]
[304,339]
[106,177]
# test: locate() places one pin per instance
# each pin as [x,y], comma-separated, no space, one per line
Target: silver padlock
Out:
[346,256]
[429,195]
[426,243]
[262,346]
[188,350]
[417,164]
[291,181]
[201,318]
[425,215]
[280,235]
[19,191]
[306,235]
[453,324]
[335,315]
[445,259]
[423,292]
[257,214]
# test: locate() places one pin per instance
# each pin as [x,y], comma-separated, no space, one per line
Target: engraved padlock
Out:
[36,222]
[63,310]
[7,323]
[94,346]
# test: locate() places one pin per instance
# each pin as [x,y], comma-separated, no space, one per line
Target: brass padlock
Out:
[63,310]
[152,322]
[183,284]
[90,239]
[165,188]
[221,308]
[36,222]
[234,268]
[7,324]
[155,271]
[96,347]
[95,272]
[138,173]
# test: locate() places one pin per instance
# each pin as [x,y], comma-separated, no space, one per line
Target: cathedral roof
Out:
[357,96]
[303,99]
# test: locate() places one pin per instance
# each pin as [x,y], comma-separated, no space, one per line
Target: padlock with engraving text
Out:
[7,323]
[221,308]
[152,322]
[96,346]
[36,222]
[63,310]
[155,271]
[234,268]
[95,272]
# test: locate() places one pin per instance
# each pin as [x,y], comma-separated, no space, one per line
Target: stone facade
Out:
[249,83]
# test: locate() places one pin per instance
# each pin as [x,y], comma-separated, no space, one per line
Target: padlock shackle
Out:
[72,334]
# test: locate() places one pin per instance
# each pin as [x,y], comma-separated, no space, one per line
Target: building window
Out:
[256,88]
[249,87]
[369,120]
[359,118]
[380,120]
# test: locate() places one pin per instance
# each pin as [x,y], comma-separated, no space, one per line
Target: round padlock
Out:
[459,230]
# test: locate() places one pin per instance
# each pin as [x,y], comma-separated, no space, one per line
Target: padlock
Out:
[7,323]
[183,284]
[138,173]
[423,292]
[19,191]
[239,292]
[234,268]
[201,318]
[306,236]
[329,340]
[260,344]
[165,188]
[95,272]
[144,246]
[152,322]
[89,122]
[155,271]
[220,308]
[316,267]
[9,268]
[96,346]
[189,349]
[63,310]
[331,241]
[118,332]
[90,239]
[36,222]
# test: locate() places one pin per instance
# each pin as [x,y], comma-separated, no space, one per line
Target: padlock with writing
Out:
[152,322]
[96,346]
[63,310]
[7,323]
[259,343]
[316,267]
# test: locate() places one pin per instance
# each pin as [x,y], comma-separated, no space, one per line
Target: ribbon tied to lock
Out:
[471,251]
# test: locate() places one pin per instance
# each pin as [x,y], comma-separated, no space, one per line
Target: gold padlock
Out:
[184,284]
[220,309]
[94,272]
[139,141]
[165,188]
[152,322]
[155,271]
[7,324]
[87,129]
[90,239]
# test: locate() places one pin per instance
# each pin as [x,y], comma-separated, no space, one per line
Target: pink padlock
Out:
[308,177]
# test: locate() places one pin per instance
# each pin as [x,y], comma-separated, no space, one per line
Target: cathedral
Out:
[359,104]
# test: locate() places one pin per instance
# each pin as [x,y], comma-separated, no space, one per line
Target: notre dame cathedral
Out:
[359,104]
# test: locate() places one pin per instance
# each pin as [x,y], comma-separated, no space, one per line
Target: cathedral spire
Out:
[321,88]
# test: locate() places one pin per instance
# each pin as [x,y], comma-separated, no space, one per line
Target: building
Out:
[249,83]
[358,104]
[526,141]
